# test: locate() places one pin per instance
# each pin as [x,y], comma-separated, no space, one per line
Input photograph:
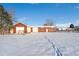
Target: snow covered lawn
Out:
[36,44]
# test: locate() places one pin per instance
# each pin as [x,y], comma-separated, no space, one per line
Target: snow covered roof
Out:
[43,26]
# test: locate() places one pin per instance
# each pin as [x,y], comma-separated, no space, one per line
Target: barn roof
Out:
[20,24]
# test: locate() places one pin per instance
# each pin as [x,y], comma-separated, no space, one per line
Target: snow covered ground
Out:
[37,44]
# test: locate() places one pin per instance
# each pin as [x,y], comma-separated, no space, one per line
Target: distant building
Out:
[47,29]
[76,28]
[62,28]
[66,29]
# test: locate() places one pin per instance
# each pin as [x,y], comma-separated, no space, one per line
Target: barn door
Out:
[46,30]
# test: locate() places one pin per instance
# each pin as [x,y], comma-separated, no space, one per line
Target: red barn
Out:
[19,28]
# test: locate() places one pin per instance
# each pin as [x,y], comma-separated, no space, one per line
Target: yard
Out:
[37,44]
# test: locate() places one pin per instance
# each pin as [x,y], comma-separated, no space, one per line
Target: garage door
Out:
[19,30]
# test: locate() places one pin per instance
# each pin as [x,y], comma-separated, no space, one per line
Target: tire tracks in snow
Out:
[56,50]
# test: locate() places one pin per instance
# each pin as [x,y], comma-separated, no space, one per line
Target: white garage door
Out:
[19,30]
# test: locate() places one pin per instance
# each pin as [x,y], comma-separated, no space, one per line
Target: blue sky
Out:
[36,13]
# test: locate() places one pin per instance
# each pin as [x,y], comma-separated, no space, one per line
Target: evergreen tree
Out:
[5,19]
[71,25]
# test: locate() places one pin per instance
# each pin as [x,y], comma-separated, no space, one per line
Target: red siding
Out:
[25,29]
[31,29]
[41,29]
[50,29]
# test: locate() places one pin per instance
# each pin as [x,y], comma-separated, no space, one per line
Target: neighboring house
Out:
[70,29]
[62,28]
[66,29]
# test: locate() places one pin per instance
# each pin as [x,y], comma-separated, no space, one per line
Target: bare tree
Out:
[48,22]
